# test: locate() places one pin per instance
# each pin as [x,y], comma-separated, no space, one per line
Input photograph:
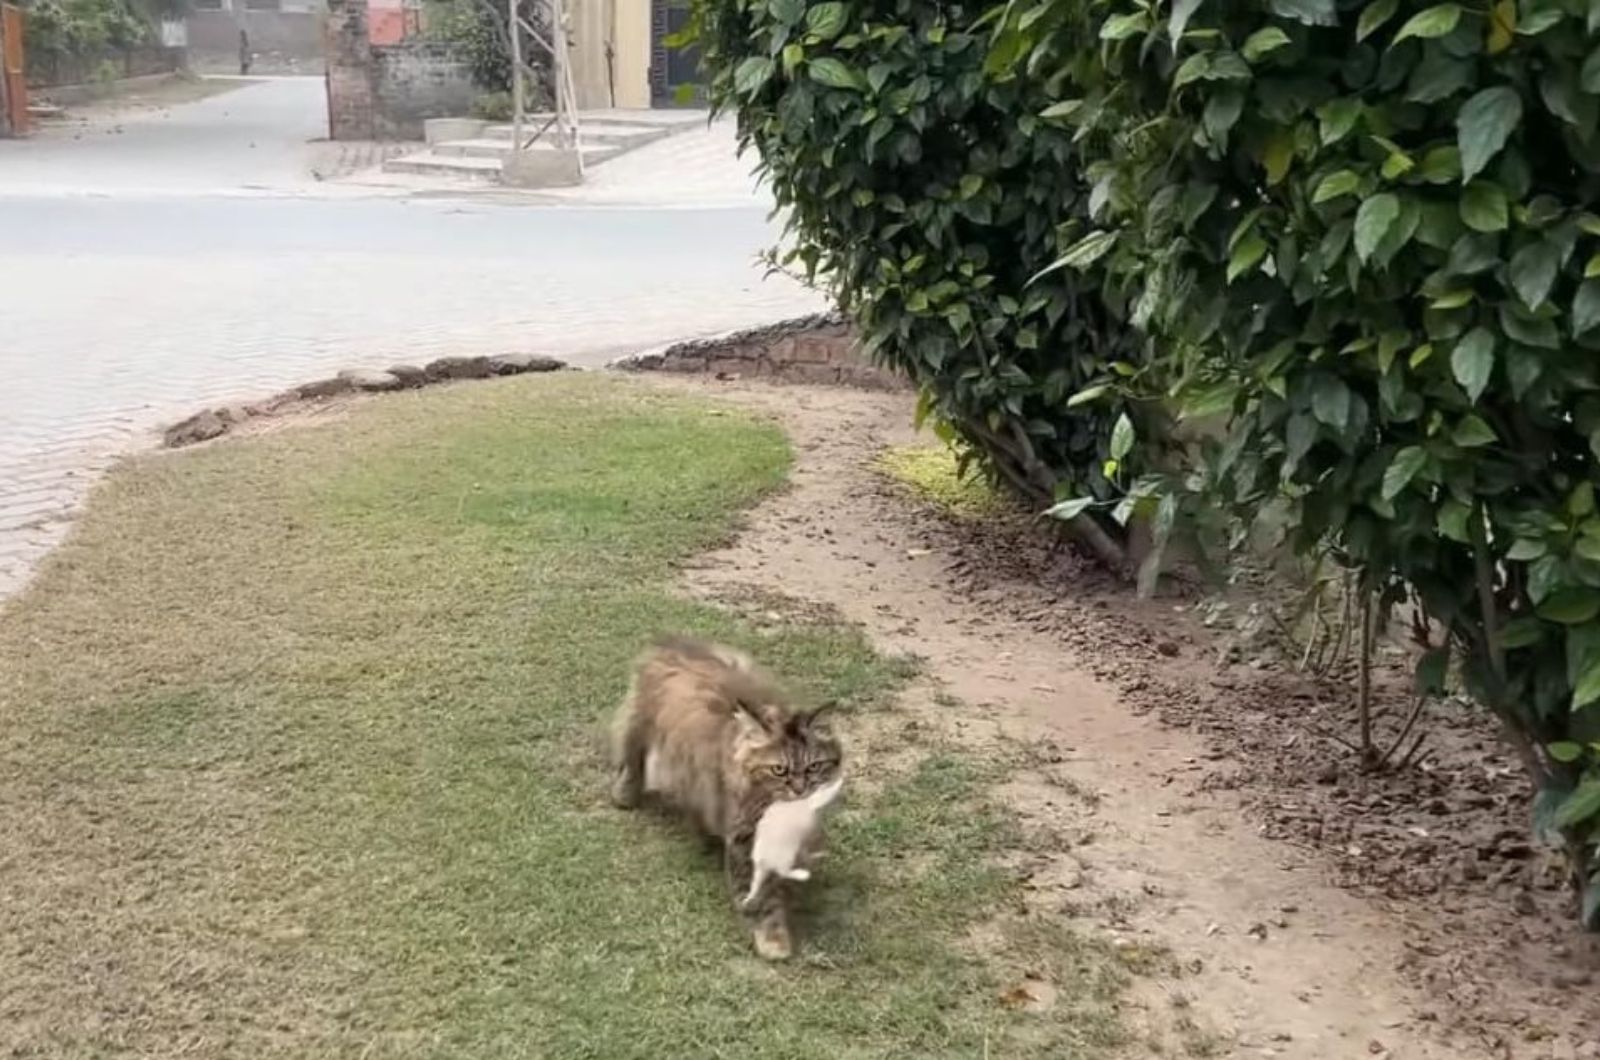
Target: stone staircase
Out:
[469,149]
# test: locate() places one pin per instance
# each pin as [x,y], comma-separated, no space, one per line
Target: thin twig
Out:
[1364,681]
[1405,730]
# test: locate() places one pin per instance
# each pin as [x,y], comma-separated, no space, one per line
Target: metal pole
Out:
[513,25]
[558,70]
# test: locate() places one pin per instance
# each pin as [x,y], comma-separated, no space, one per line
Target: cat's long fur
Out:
[709,733]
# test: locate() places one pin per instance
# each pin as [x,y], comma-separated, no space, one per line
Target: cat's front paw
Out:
[773,941]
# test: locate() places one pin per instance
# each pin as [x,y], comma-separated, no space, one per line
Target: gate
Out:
[674,72]
[13,82]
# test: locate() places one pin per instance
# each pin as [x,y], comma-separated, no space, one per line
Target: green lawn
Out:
[300,757]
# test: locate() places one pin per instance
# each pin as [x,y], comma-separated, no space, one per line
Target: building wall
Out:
[285,41]
[414,82]
[351,93]
[633,53]
[622,79]
[50,71]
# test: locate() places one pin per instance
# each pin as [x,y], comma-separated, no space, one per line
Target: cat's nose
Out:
[797,785]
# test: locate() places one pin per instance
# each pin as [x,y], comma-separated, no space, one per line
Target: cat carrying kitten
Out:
[783,835]
[712,735]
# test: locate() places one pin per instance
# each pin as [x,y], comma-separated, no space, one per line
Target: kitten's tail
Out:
[823,797]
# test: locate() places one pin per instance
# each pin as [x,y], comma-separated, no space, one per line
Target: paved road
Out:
[144,278]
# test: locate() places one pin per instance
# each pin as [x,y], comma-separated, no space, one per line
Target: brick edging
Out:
[819,349]
[211,423]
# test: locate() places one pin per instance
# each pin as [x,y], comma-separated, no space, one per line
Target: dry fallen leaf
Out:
[1016,997]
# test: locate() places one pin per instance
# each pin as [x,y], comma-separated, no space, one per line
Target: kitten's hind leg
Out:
[757,881]
[767,916]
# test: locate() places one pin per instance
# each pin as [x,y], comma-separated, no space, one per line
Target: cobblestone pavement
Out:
[128,303]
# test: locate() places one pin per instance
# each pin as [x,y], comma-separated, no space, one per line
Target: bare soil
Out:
[1203,813]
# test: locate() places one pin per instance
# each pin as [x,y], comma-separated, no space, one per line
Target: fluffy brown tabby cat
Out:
[712,735]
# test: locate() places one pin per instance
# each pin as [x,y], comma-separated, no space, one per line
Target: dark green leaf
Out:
[1373,221]
[1441,165]
[1121,27]
[1526,549]
[1070,509]
[1261,42]
[1402,469]
[1580,806]
[1583,663]
[789,12]
[1434,22]
[1439,76]
[834,73]
[1182,12]
[1528,329]
[1533,271]
[1330,402]
[751,74]
[1088,394]
[1483,126]
[1246,255]
[1373,16]
[1589,77]
[1473,254]
[1586,307]
[1082,254]
[827,20]
[1222,111]
[1338,117]
[1521,633]
[1310,12]
[1571,606]
[1484,207]
[1472,432]
[1452,520]
[1472,361]
[1122,437]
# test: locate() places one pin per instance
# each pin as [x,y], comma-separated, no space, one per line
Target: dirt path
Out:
[1271,958]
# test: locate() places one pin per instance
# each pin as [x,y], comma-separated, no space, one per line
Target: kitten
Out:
[783,834]
[710,734]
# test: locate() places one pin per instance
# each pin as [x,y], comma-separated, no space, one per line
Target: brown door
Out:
[11,64]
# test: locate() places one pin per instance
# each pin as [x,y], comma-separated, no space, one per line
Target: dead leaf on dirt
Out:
[1016,997]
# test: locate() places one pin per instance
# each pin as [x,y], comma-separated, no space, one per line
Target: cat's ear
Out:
[818,717]
[750,718]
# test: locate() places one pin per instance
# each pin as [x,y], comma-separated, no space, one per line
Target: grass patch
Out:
[299,758]
[931,472]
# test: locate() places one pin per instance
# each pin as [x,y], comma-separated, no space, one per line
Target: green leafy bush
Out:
[86,28]
[476,30]
[1365,231]
[921,184]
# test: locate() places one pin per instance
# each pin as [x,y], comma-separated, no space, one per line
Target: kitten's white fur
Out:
[781,835]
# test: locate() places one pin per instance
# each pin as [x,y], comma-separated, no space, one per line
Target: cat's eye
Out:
[779,771]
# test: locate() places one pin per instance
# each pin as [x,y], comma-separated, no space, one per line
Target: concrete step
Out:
[652,119]
[632,135]
[429,164]
[593,153]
